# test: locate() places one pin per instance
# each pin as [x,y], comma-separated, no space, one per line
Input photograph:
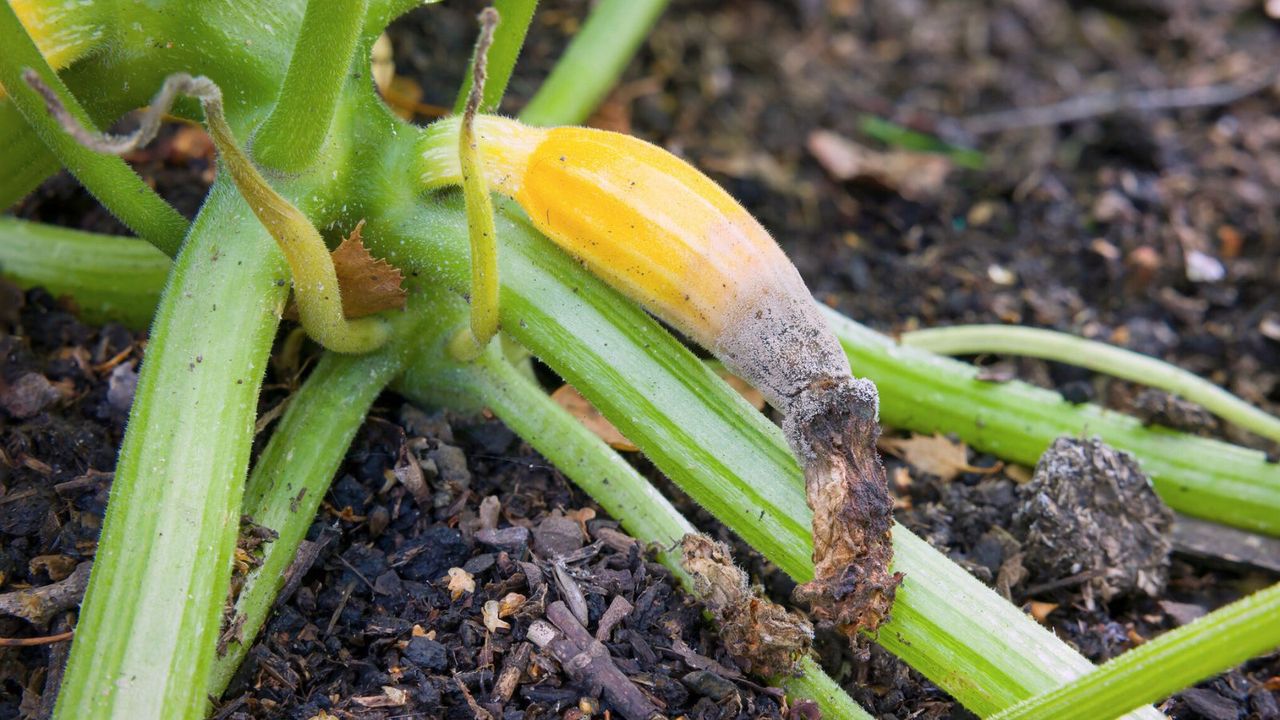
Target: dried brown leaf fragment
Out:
[369,285]
[935,454]
[913,175]
[762,636]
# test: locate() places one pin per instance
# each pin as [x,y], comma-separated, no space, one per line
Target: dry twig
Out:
[1085,107]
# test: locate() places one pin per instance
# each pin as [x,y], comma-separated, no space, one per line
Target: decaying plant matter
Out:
[327,154]
[762,636]
[672,240]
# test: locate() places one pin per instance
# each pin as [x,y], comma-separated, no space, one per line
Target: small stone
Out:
[1112,206]
[426,654]
[421,424]
[388,583]
[479,563]
[510,539]
[1182,613]
[1076,391]
[1209,704]
[1203,267]
[28,395]
[709,684]
[452,464]
[379,519]
[556,536]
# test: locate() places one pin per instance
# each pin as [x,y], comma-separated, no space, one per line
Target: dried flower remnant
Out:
[761,635]
[672,240]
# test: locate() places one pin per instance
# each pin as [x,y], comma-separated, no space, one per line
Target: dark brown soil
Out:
[1112,227]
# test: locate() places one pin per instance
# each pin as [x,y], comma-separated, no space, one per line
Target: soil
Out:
[1155,230]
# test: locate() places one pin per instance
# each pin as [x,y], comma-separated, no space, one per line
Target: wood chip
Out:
[390,697]
[1040,610]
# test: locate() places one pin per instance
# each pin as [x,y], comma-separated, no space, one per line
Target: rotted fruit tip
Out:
[832,426]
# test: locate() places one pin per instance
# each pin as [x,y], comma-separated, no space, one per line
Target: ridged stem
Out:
[110,180]
[24,161]
[292,136]
[111,278]
[1099,357]
[145,638]
[295,469]
[1164,665]
[594,61]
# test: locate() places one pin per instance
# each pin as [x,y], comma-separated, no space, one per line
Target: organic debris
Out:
[744,79]
[833,429]
[935,454]
[39,605]
[914,175]
[568,397]
[1156,407]
[1090,511]
[588,663]
[369,285]
[762,636]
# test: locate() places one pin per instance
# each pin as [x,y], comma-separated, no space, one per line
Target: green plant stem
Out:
[294,471]
[919,391]
[941,616]
[593,62]
[815,684]
[110,278]
[110,180]
[491,382]
[1015,421]
[144,642]
[507,42]
[1156,669]
[24,161]
[1099,357]
[596,468]
[315,281]
[941,610]
[471,340]
[294,132]
[727,456]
